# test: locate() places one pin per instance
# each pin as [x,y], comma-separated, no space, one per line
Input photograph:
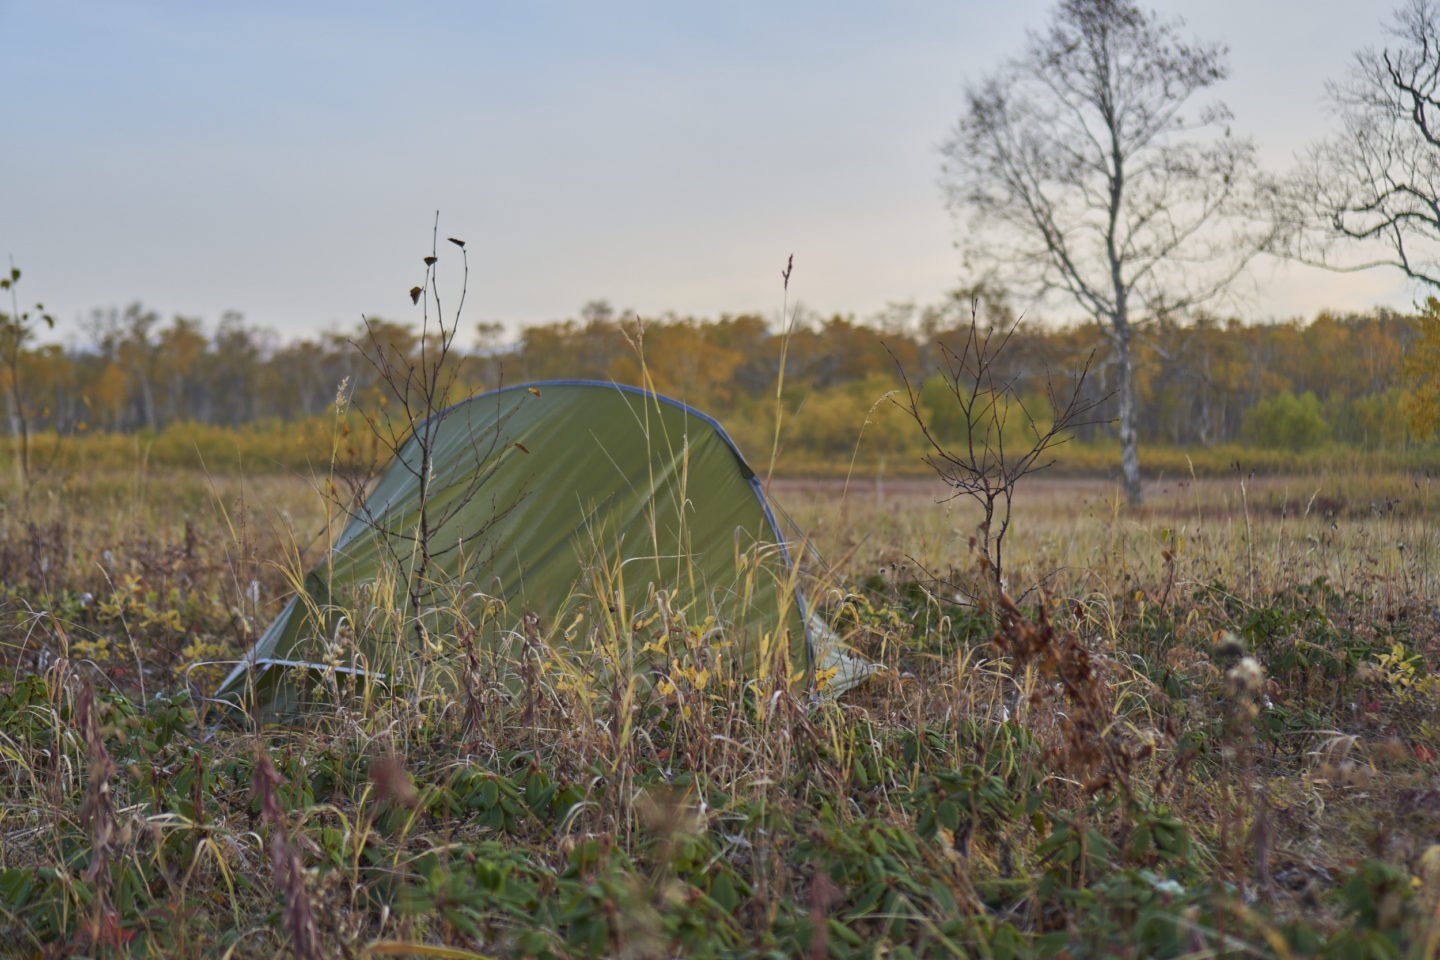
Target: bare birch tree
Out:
[1079,174]
[1370,195]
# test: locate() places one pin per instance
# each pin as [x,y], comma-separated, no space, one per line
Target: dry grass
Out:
[1212,731]
[1262,534]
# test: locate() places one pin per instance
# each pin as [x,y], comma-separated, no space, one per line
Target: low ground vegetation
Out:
[1205,727]
[887,446]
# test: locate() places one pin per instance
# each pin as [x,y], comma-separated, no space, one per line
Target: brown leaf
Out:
[535,390]
[430,261]
[521,447]
[458,243]
[392,783]
[415,294]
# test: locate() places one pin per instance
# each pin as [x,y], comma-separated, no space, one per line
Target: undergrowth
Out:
[1215,750]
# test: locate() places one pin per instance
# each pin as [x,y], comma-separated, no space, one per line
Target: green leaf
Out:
[722,891]
[461,920]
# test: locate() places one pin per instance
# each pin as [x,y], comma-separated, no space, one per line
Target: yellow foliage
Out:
[1422,370]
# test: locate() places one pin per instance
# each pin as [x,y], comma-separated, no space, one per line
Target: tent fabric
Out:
[550,499]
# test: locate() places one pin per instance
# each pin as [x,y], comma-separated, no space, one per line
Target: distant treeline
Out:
[1204,382]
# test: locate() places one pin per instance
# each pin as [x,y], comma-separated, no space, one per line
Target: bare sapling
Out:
[419,382]
[998,440]
[17,328]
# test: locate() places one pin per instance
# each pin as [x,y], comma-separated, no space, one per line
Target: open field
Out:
[1261,534]
[1210,728]
[307,444]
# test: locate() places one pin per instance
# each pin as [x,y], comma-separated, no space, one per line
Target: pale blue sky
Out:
[285,159]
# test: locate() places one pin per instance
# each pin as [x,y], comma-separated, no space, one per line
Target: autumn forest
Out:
[1348,381]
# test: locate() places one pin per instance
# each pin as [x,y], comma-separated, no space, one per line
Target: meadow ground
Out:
[1207,727]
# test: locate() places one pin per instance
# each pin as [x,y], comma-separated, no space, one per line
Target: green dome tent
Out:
[562,509]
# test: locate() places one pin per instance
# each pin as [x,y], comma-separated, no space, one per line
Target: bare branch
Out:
[1370,195]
